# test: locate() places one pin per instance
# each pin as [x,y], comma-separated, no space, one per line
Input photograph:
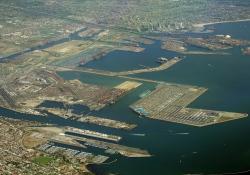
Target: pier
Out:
[93,134]
[51,148]
[163,66]
[169,103]
[101,121]
[121,149]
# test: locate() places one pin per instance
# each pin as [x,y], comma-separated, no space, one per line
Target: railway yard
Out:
[26,86]
[40,42]
[30,90]
[26,93]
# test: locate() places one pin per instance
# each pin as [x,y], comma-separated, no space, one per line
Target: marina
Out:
[121,149]
[83,156]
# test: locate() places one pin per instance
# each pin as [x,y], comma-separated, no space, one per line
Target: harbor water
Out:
[177,149]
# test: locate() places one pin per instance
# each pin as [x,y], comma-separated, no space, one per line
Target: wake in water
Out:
[139,135]
[182,133]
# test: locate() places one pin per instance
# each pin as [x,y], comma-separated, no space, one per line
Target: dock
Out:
[67,114]
[169,103]
[51,148]
[128,85]
[106,122]
[121,149]
[163,66]
[201,117]
[94,134]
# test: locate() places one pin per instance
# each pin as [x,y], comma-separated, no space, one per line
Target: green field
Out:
[43,160]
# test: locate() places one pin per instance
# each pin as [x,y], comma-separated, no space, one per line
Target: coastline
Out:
[92,169]
[201,25]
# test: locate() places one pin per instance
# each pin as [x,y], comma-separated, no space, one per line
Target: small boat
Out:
[182,133]
[82,63]
[139,135]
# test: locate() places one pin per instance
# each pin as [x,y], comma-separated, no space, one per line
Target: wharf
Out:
[128,85]
[51,148]
[107,122]
[168,103]
[93,134]
[123,150]
[164,66]
[67,114]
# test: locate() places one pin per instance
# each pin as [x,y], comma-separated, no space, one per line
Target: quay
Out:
[51,148]
[121,149]
[163,66]
[169,103]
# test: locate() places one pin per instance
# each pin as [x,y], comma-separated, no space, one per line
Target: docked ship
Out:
[162,60]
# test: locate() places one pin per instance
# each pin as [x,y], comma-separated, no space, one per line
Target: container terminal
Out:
[169,103]
[101,121]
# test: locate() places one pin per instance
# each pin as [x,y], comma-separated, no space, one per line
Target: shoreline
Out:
[92,169]
[201,25]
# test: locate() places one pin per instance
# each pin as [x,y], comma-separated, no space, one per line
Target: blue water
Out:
[124,60]
[213,149]
[220,148]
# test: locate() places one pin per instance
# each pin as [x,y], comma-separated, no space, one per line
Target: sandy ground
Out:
[128,85]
